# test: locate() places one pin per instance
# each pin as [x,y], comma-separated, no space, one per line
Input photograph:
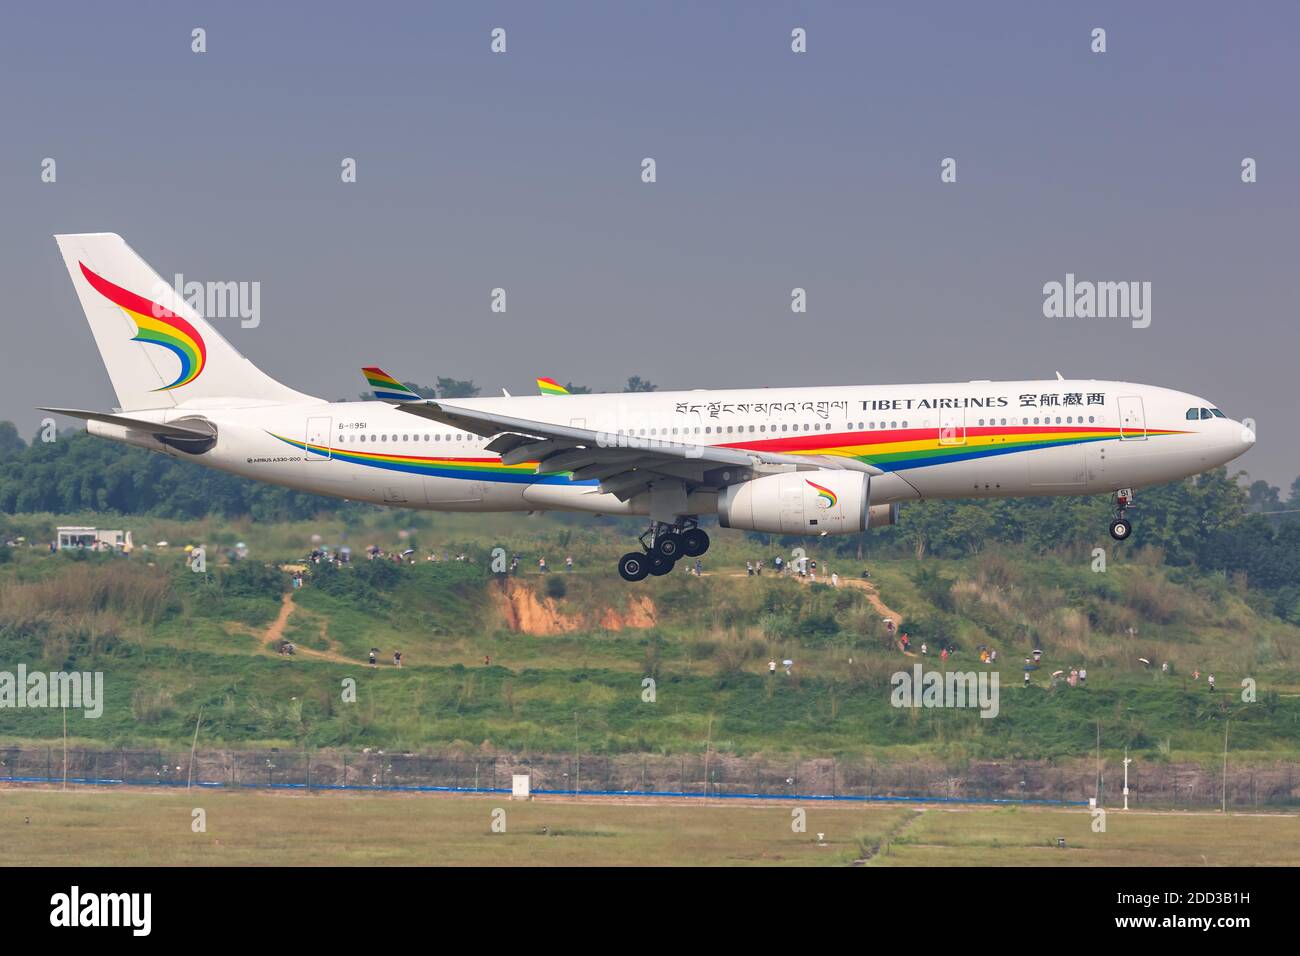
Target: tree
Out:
[577,389]
[454,388]
[638,384]
[11,443]
[1264,497]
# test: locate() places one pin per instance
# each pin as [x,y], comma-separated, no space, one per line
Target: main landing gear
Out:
[663,545]
[1121,527]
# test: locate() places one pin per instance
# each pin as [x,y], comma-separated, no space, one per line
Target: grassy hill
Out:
[569,652]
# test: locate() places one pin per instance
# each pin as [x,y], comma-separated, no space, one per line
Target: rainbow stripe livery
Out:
[480,469]
[889,450]
[549,386]
[387,388]
[156,325]
[903,448]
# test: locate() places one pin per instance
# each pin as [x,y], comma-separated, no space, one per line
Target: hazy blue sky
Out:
[775,170]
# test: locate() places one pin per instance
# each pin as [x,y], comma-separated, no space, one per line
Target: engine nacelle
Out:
[801,502]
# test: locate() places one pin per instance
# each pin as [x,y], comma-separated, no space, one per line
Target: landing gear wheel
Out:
[1120,529]
[694,543]
[659,565]
[668,546]
[634,566]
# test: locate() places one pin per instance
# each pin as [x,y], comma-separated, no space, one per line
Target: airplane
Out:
[817,460]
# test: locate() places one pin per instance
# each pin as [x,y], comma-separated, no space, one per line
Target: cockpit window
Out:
[1193,414]
[1217,413]
[1205,413]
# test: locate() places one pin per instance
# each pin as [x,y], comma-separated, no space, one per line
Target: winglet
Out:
[387,388]
[549,386]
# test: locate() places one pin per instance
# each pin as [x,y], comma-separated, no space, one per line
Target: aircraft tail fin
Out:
[158,350]
[386,388]
[549,386]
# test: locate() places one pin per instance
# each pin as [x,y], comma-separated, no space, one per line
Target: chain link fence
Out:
[1151,784]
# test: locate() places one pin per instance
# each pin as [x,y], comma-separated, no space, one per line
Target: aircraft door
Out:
[1132,419]
[952,426]
[318,439]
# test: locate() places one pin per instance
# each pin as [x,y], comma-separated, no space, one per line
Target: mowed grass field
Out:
[137,827]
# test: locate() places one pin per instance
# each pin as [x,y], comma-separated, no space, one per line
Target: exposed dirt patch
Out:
[524,610]
[640,612]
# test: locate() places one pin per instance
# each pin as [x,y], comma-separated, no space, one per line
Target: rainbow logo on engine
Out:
[825,497]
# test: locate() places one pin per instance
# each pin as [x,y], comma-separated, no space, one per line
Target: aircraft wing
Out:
[625,465]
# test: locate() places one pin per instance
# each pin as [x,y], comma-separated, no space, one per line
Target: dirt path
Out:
[272,636]
[276,631]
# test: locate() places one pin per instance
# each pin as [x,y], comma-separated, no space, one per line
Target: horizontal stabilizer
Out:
[191,430]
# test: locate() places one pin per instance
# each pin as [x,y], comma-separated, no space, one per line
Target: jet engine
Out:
[804,502]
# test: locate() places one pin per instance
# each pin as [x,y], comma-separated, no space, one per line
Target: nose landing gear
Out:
[662,545]
[1121,527]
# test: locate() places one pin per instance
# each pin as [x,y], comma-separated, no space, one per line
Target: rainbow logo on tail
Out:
[825,497]
[549,386]
[156,325]
[387,388]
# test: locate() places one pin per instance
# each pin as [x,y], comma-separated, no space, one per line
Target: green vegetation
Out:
[569,651]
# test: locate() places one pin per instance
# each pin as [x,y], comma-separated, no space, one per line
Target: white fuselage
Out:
[976,439]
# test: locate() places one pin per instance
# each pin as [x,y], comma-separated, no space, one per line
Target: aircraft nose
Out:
[1243,438]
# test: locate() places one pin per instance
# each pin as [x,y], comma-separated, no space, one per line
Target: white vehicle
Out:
[801,461]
